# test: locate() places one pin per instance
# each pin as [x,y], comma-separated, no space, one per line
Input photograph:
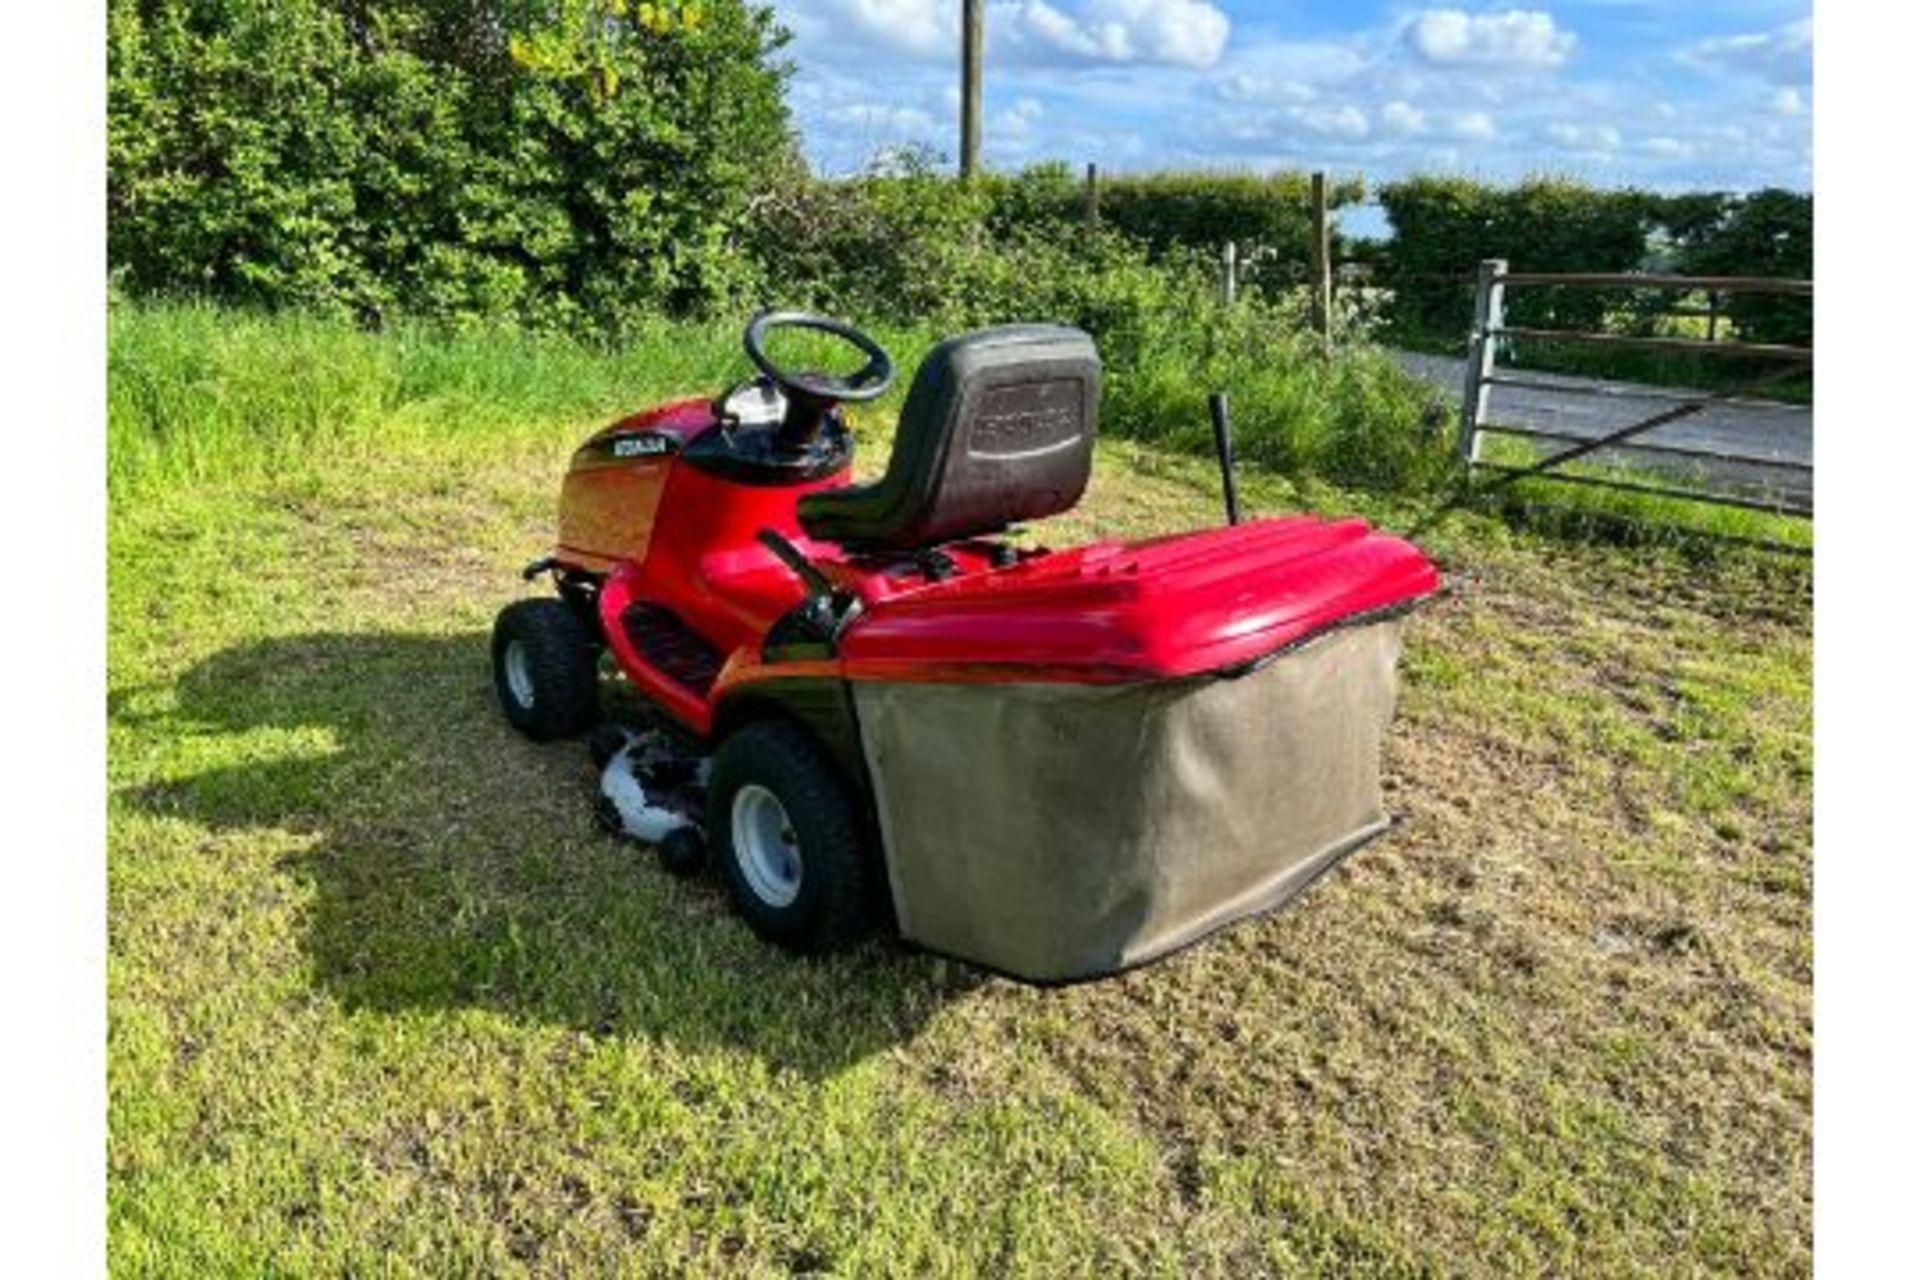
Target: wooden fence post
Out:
[1489,314]
[1093,195]
[1321,282]
[973,44]
[1229,272]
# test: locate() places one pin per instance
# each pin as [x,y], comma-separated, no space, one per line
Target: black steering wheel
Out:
[810,394]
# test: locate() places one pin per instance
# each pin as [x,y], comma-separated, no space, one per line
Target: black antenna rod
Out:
[1223,446]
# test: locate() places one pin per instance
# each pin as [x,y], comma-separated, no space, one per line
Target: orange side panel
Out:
[606,512]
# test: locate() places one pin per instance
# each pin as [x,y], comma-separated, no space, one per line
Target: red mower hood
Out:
[1121,611]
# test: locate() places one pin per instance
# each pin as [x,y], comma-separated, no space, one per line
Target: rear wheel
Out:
[786,829]
[545,669]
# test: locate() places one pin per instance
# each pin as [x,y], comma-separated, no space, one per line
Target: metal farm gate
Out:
[1652,466]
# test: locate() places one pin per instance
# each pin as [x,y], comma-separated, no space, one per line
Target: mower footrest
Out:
[672,646]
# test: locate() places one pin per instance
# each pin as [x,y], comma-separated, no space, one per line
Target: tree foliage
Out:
[556,161]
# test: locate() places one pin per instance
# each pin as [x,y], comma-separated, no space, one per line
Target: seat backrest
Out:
[998,428]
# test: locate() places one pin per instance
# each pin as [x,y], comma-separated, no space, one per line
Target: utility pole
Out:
[973,41]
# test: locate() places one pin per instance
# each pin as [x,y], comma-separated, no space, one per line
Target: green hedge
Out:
[553,161]
[921,245]
[1186,210]
[1767,233]
[578,164]
[1443,228]
[570,163]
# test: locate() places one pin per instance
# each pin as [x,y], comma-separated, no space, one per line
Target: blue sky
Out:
[1693,94]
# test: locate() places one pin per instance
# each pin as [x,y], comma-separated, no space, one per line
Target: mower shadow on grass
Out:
[453,864]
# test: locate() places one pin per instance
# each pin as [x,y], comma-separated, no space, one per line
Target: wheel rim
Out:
[765,846]
[519,669]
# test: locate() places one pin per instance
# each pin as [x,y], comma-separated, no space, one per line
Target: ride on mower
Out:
[1053,764]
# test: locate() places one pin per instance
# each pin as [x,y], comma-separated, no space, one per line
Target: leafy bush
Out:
[1192,211]
[1767,233]
[915,244]
[555,161]
[581,164]
[871,247]
[1444,227]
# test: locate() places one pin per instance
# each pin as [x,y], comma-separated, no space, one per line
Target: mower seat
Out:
[998,428]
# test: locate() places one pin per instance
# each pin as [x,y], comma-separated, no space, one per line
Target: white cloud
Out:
[1783,55]
[1790,102]
[1403,119]
[879,119]
[1668,148]
[1346,121]
[1019,119]
[1585,137]
[1516,39]
[1182,33]
[1245,88]
[1258,66]
[1471,126]
[924,28]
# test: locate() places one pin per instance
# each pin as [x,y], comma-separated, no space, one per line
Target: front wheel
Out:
[787,831]
[545,669]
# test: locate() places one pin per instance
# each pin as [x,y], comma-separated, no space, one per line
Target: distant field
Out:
[383,1001]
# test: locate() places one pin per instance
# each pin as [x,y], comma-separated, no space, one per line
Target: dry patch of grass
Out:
[383,1001]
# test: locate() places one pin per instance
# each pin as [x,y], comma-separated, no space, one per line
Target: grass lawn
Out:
[383,1001]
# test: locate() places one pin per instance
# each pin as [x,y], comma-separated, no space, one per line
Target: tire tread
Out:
[563,660]
[840,884]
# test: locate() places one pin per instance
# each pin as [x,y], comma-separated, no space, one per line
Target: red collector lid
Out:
[1166,607]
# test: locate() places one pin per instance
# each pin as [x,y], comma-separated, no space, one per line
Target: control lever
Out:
[792,557]
[826,610]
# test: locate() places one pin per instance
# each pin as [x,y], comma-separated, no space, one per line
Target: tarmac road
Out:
[1756,429]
